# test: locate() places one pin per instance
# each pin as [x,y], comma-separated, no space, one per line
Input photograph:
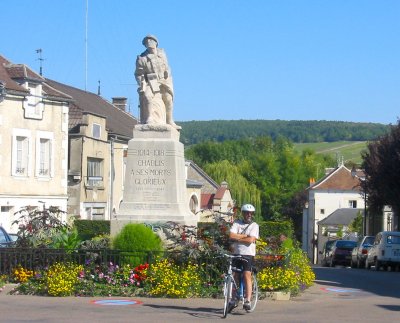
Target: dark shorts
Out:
[244,265]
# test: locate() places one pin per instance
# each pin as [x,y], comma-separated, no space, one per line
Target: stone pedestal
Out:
[155,179]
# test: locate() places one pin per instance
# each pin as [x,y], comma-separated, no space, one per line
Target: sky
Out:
[336,60]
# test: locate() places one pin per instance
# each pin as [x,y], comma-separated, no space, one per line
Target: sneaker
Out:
[232,304]
[247,305]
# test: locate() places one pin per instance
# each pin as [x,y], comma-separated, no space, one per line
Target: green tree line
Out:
[297,131]
[270,174]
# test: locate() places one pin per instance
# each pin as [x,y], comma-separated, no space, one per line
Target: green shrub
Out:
[99,242]
[275,229]
[88,229]
[136,240]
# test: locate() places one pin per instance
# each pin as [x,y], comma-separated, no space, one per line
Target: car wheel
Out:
[332,263]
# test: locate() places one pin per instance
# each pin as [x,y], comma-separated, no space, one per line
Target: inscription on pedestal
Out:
[150,173]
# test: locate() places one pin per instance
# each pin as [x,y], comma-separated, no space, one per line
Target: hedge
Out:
[88,229]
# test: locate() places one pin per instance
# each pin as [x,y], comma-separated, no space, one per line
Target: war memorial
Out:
[155,180]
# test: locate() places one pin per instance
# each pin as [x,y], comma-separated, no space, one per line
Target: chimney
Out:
[120,103]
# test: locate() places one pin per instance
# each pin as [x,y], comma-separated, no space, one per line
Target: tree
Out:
[357,225]
[382,172]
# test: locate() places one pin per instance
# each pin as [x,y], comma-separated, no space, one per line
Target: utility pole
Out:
[40,59]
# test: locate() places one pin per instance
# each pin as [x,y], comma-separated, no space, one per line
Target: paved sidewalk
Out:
[314,305]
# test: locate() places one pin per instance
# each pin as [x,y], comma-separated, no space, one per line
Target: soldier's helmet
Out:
[151,37]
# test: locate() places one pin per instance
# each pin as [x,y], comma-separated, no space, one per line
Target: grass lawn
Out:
[350,150]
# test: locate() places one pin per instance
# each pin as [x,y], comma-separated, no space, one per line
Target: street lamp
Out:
[354,174]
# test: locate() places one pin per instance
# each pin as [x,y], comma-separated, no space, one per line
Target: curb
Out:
[7,289]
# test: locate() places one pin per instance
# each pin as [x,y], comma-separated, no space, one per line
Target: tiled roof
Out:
[202,174]
[11,74]
[206,201]
[21,71]
[339,179]
[118,122]
[220,193]
[340,217]
[6,78]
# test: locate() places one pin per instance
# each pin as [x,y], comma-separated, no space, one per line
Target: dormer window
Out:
[96,131]
[33,104]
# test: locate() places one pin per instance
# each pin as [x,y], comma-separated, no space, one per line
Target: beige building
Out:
[33,142]
[206,197]
[98,140]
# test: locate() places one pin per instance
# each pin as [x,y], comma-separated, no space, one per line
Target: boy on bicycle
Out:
[244,233]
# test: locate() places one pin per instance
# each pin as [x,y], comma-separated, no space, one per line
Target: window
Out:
[96,131]
[353,204]
[20,156]
[193,204]
[322,211]
[393,239]
[94,172]
[44,154]
[33,105]
[98,213]
[44,157]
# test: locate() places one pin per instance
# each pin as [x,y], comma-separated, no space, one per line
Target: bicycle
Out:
[230,285]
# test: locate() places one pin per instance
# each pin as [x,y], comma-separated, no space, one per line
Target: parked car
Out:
[360,252]
[385,251]
[325,251]
[5,240]
[13,236]
[341,253]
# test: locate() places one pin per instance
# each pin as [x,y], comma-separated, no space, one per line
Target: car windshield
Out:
[368,240]
[345,244]
[3,237]
[329,244]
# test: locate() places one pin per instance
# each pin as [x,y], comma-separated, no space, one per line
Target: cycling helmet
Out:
[248,208]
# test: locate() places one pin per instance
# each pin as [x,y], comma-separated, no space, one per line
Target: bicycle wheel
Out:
[227,294]
[254,294]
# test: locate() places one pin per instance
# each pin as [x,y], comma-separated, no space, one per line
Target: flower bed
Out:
[190,265]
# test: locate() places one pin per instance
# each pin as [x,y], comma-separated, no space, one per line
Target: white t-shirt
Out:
[244,228]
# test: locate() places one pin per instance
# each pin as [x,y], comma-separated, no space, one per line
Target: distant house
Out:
[338,221]
[99,132]
[33,142]
[209,197]
[338,190]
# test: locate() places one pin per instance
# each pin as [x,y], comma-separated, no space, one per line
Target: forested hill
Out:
[194,132]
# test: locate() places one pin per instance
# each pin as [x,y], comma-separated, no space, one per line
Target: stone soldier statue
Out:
[155,87]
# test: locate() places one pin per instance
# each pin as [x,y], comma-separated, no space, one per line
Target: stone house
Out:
[33,142]
[99,132]
[208,197]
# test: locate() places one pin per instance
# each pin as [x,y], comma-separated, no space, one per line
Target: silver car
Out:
[359,253]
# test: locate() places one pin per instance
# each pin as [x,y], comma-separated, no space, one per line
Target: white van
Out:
[385,251]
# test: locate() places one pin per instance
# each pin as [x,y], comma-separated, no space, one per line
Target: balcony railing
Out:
[92,182]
